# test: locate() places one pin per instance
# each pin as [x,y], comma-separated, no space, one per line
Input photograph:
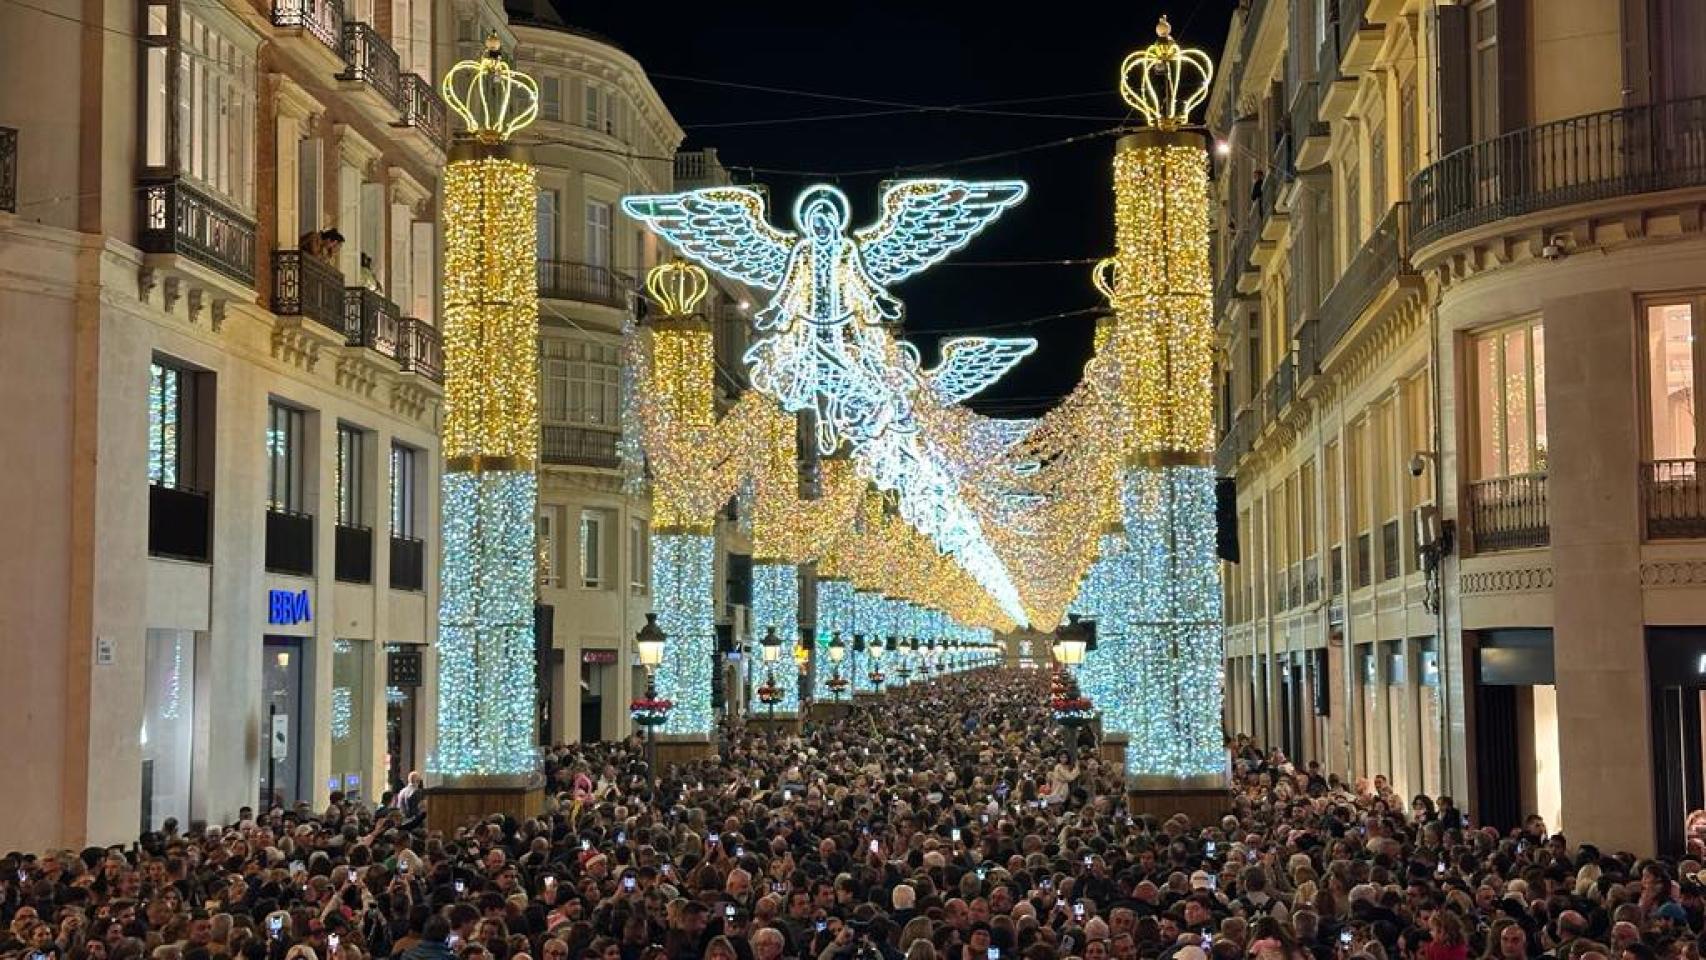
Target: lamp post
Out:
[651,711]
[837,653]
[769,693]
[874,650]
[1071,709]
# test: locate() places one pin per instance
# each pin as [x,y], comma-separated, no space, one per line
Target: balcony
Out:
[1309,133]
[353,559]
[1336,571]
[304,285]
[179,521]
[1282,387]
[290,542]
[1598,156]
[408,563]
[370,63]
[1236,442]
[1312,580]
[579,447]
[181,220]
[1252,27]
[424,110]
[370,321]
[568,280]
[1674,500]
[8,170]
[315,27]
[1238,266]
[420,349]
[1508,513]
[1384,255]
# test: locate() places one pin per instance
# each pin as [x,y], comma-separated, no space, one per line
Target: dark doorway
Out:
[1496,764]
[1676,662]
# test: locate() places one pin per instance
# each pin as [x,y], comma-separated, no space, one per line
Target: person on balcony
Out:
[322,244]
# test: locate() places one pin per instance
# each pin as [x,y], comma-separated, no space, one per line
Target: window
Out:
[547,224]
[594,101]
[1510,401]
[550,98]
[171,426]
[1408,137]
[1672,368]
[592,549]
[352,473]
[639,557]
[1377,161]
[545,543]
[1417,437]
[308,174]
[199,97]
[1484,70]
[1357,475]
[1352,203]
[286,474]
[405,462]
[598,233]
[1326,264]
[579,383]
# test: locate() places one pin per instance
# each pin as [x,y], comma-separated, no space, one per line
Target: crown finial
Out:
[493,99]
[1157,81]
[677,287]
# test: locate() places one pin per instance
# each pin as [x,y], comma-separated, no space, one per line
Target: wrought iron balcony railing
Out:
[420,349]
[424,109]
[579,446]
[321,19]
[304,285]
[290,541]
[1673,494]
[1282,386]
[1384,255]
[369,59]
[180,219]
[352,554]
[408,563]
[1236,442]
[370,321]
[1508,513]
[568,280]
[1597,156]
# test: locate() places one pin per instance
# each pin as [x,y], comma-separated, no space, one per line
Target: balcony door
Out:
[1678,37]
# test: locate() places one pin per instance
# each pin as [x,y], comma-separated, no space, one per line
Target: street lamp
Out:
[837,653]
[651,711]
[1071,708]
[1070,641]
[769,694]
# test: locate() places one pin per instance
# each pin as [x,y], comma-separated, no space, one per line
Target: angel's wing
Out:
[925,220]
[971,363]
[722,228]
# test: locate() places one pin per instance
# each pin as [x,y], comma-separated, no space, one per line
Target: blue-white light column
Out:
[776,603]
[682,568]
[834,614]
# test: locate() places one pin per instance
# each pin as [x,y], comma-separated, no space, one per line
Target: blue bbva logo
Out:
[288,606]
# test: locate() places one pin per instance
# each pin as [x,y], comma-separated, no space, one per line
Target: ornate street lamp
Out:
[837,652]
[770,694]
[651,710]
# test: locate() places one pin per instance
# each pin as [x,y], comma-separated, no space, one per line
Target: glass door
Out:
[168,727]
[287,725]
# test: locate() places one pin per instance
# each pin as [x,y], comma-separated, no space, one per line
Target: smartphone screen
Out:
[621,837]
[956,834]
[461,887]
[712,838]
[1345,937]
[1210,848]
[627,883]
[586,844]
[729,912]
[550,883]
[1078,910]
[333,940]
[1207,943]
[994,953]
[822,925]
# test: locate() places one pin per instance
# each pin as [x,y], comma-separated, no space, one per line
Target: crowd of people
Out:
[945,824]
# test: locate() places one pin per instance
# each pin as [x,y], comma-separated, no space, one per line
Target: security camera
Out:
[1418,465]
[1554,248]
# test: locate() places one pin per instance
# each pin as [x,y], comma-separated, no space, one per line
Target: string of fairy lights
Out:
[917,513]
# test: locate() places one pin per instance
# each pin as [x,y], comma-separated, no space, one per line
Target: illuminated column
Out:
[674,384]
[835,616]
[486,737]
[776,606]
[1163,640]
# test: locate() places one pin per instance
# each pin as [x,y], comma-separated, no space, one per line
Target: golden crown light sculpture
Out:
[1166,91]
[493,99]
[678,287]
[1156,672]
[489,490]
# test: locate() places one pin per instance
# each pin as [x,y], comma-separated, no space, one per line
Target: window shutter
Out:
[1513,64]
[1451,61]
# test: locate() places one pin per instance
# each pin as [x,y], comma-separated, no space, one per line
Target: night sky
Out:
[926,53]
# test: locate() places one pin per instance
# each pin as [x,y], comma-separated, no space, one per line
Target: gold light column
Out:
[1160,626]
[486,751]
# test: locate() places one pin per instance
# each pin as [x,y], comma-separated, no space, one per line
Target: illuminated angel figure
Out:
[823,345]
